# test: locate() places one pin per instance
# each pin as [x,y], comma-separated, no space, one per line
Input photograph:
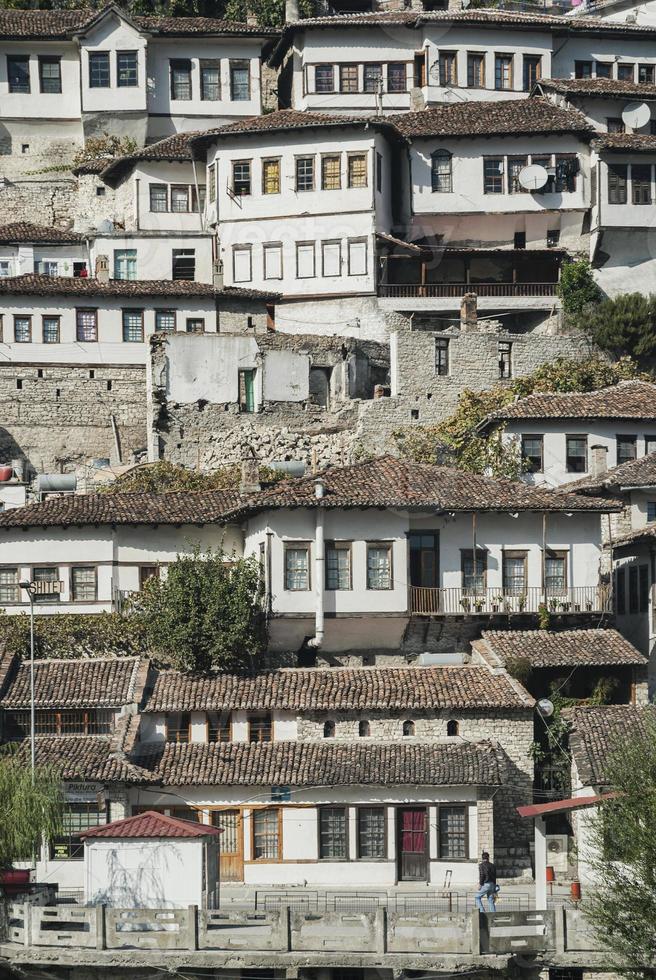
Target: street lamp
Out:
[31,588]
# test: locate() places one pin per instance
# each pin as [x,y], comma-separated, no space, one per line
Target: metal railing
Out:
[454,290]
[487,602]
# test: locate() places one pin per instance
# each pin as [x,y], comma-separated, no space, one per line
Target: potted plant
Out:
[521,602]
[478,604]
[465,603]
[553,604]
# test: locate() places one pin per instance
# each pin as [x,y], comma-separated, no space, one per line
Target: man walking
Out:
[487,883]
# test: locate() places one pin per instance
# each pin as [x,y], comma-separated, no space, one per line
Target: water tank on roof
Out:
[440,659]
[56,483]
[290,467]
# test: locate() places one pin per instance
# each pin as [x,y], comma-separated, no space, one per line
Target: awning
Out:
[561,806]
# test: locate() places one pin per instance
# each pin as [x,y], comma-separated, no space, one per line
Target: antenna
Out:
[635,115]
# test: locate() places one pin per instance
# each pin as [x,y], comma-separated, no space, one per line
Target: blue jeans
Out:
[489,891]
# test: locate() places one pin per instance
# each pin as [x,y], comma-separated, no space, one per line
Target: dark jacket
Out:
[486,872]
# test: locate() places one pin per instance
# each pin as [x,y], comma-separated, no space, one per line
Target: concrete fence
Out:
[288,930]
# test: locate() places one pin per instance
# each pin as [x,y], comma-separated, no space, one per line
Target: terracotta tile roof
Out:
[636,473]
[175,507]
[35,285]
[339,689]
[625,142]
[603,87]
[597,732]
[185,26]
[508,118]
[647,533]
[589,648]
[626,400]
[325,763]
[56,24]
[94,166]
[173,149]
[22,232]
[84,757]
[96,683]
[152,825]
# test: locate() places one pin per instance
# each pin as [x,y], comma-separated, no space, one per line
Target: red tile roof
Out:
[23,232]
[94,683]
[35,285]
[544,648]
[507,118]
[626,400]
[625,143]
[172,149]
[636,473]
[602,87]
[57,24]
[152,825]
[84,757]
[597,732]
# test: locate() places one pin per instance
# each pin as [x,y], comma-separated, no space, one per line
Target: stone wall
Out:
[57,416]
[42,201]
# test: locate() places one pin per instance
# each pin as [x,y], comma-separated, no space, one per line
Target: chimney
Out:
[291,11]
[469,312]
[217,275]
[102,268]
[250,474]
[598,460]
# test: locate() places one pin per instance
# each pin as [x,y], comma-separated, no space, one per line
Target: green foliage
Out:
[543,617]
[28,812]
[577,287]
[520,668]
[266,12]
[163,477]
[484,452]
[624,325]
[72,635]
[105,145]
[622,905]
[208,613]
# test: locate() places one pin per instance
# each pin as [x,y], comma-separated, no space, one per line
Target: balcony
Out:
[456,290]
[493,602]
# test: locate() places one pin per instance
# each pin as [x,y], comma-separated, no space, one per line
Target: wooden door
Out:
[412,849]
[231,844]
[424,559]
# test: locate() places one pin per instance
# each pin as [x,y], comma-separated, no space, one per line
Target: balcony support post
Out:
[474,561]
[544,557]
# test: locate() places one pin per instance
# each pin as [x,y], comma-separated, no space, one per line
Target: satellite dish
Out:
[545,707]
[532,178]
[635,115]
[465,3]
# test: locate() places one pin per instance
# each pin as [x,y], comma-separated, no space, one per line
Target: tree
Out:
[625,325]
[105,145]
[208,613]
[29,812]
[622,854]
[577,287]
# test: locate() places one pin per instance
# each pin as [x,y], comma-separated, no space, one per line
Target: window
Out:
[305,173]
[473,580]
[18,73]
[271,176]
[476,70]
[379,566]
[633,590]
[241,177]
[582,69]
[242,263]
[533,453]
[181,79]
[211,182]
[364,729]
[331,259]
[127,69]
[646,74]
[442,356]
[514,572]
[133,328]
[614,124]
[183,263]
[9,589]
[604,69]
[567,167]
[338,567]
[641,183]
[47,579]
[625,73]
[50,74]
[22,329]
[165,321]
[297,568]
[260,728]
[505,359]
[453,833]
[452,728]
[329,729]
[272,257]
[331,178]
[373,78]
[448,68]
[76,818]
[348,78]
[98,69]
[5,268]
[651,511]
[555,571]
[324,78]
[620,591]
[408,728]
[532,70]
[305,260]
[626,448]
[246,393]
[50,328]
[84,584]
[503,71]
[210,81]
[125,263]
[195,325]
[159,198]
[441,172]
[266,835]
[515,166]
[576,454]
[357,170]
[86,326]
[643,588]
[146,573]
[396,77]
[240,81]
[650,444]
[333,837]
[493,175]
[357,256]
[219,727]
[179,198]
[372,842]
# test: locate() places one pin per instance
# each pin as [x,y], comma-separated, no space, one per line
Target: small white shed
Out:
[151,861]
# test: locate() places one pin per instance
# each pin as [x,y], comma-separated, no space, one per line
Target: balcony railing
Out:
[454,290]
[487,602]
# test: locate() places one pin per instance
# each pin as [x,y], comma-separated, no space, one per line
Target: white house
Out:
[27,249]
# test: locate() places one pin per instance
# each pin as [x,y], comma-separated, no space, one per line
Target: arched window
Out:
[329,729]
[408,727]
[441,173]
[452,727]
[364,729]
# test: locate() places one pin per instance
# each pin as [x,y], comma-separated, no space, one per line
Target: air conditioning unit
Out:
[557,852]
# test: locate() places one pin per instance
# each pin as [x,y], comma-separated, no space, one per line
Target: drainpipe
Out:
[316,642]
